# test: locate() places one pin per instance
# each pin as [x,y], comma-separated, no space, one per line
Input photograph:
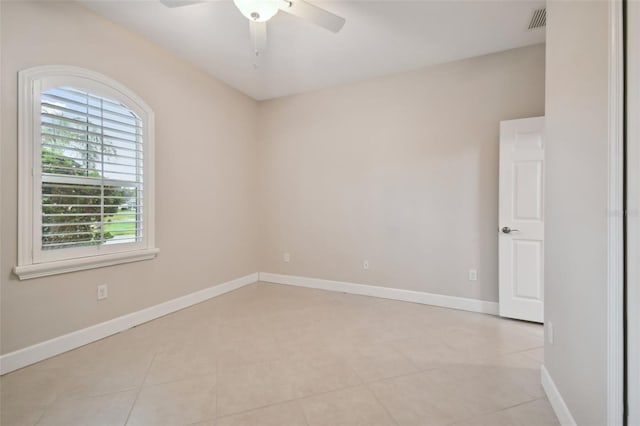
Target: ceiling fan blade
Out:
[312,13]
[258,32]
[180,3]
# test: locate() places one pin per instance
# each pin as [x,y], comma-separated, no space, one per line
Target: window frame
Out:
[33,261]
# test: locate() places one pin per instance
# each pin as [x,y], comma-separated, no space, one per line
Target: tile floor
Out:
[276,355]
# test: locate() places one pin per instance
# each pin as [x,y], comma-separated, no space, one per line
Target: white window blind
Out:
[91,160]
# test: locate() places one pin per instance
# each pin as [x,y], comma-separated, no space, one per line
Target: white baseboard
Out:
[559,406]
[462,303]
[40,351]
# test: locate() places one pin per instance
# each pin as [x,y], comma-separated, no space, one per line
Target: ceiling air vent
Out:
[538,19]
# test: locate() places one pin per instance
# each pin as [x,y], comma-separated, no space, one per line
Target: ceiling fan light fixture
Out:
[258,10]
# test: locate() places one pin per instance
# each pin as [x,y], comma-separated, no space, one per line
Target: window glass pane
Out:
[91,157]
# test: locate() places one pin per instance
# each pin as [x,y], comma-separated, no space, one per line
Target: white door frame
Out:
[633,212]
[615,245]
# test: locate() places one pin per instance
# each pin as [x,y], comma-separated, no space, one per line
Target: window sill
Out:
[37,270]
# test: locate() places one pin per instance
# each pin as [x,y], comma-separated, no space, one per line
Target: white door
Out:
[521,220]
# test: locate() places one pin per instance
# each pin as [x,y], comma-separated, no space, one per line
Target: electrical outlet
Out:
[286,257]
[102,291]
[365,265]
[550,332]
[473,275]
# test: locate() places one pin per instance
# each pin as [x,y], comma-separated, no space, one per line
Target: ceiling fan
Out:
[258,12]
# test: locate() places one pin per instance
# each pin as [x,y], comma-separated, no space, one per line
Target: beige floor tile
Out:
[430,351]
[105,410]
[518,369]
[421,400]
[247,349]
[229,330]
[380,361]
[237,355]
[20,414]
[112,374]
[311,344]
[186,362]
[210,422]
[34,384]
[110,365]
[176,403]
[465,338]
[265,299]
[505,335]
[26,393]
[536,354]
[253,386]
[348,407]
[257,385]
[483,388]
[146,337]
[534,413]
[318,377]
[390,328]
[288,413]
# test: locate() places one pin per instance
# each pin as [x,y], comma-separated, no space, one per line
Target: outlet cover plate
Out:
[473,275]
[102,292]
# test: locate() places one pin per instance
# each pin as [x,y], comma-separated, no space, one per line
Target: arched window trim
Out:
[32,82]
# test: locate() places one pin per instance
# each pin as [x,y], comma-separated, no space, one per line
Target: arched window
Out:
[86,172]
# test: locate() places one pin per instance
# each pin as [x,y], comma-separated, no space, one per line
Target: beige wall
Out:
[401,171]
[576,210]
[206,157]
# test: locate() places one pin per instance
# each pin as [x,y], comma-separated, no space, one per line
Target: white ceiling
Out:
[379,38]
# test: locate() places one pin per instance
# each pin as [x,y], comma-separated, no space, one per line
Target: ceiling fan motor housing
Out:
[258,10]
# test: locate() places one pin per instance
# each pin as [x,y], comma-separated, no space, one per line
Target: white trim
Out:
[25,166]
[462,303]
[615,245]
[633,212]
[38,352]
[557,403]
[37,270]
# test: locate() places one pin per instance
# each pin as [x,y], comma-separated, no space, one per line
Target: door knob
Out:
[508,230]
